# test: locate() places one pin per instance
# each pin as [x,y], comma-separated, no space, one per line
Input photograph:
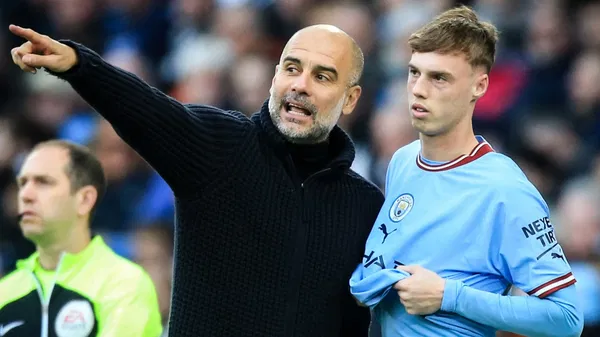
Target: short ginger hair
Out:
[458,30]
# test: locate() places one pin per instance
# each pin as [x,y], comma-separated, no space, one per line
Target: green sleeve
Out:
[131,311]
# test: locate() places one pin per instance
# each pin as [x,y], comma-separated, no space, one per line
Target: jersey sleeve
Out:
[131,309]
[529,254]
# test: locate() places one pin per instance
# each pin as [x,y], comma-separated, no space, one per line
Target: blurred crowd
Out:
[542,107]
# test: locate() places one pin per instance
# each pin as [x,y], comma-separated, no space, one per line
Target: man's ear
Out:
[275,74]
[351,99]
[480,86]
[86,199]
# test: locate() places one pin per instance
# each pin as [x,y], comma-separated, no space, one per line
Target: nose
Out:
[301,83]
[418,87]
[27,193]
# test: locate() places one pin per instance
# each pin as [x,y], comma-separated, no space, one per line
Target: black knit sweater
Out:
[258,250]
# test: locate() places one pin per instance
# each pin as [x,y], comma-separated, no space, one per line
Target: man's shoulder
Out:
[14,278]
[15,285]
[508,186]
[361,182]
[370,193]
[117,269]
[409,151]
[504,173]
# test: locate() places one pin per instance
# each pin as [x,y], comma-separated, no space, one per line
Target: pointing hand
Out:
[41,51]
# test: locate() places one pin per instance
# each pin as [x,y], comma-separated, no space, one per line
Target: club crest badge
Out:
[401,207]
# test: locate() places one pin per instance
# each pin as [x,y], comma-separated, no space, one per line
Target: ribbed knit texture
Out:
[257,253]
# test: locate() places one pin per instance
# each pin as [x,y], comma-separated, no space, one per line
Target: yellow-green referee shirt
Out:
[92,293]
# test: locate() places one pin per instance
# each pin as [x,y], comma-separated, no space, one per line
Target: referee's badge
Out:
[75,319]
[401,207]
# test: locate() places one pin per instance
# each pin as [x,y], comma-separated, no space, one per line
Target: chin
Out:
[31,228]
[425,129]
[32,233]
[292,128]
[419,125]
[295,128]
[292,132]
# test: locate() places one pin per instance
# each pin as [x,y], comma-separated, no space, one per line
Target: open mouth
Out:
[296,109]
[419,108]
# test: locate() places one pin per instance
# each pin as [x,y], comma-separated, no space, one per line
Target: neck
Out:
[71,242]
[446,147]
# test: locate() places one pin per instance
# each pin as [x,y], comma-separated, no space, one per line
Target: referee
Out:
[74,284]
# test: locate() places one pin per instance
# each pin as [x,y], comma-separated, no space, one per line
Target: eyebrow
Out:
[318,68]
[434,72]
[34,176]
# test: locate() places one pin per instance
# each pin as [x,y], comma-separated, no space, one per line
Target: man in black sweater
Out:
[271,220]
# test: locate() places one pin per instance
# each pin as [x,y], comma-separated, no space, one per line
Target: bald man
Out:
[270,221]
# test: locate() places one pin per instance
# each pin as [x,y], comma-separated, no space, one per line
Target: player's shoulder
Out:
[508,178]
[409,151]
[501,166]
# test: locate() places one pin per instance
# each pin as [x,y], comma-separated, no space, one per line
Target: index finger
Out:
[409,269]
[27,33]
[400,285]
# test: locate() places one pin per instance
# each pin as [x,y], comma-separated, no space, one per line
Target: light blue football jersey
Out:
[476,219]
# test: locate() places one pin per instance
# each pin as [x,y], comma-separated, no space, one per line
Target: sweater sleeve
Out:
[186,144]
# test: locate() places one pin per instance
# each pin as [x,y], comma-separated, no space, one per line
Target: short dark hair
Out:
[83,169]
[458,30]
[358,64]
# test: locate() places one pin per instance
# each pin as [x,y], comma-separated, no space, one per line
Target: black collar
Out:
[341,146]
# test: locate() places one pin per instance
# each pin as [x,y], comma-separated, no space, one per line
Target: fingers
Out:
[29,34]
[411,307]
[400,285]
[17,57]
[404,296]
[407,304]
[25,56]
[39,61]
[408,269]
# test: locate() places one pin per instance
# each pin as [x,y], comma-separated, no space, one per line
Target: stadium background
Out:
[542,107]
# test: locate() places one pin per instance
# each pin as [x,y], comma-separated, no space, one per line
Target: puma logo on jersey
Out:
[557,256]
[4,329]
[384,229]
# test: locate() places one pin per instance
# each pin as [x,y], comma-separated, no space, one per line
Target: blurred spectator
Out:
[584,97]
[588,25]
[250,80]
[578,229]
[153,250]
[126,177]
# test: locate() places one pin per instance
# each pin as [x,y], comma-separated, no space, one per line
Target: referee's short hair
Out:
[83,169]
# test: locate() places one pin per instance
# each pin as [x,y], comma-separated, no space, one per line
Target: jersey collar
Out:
[68,260]
[478,151]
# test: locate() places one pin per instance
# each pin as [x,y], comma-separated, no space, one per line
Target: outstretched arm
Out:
[186,144]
